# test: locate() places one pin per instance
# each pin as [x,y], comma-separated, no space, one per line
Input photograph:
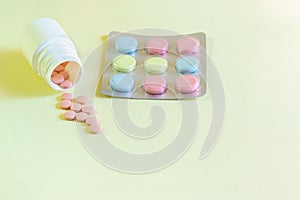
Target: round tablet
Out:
[82,99]
[76,107]
[124,63]
[186,84]
[122,83]
[157,46]
[126,44]
[81,117]
[58,78]
[156,65]
[65,104]
[187,64]
[187,45]
[67,96]
[69,115]
[95,128]
[91,120]
[88,109]
[66,84]
[155,85]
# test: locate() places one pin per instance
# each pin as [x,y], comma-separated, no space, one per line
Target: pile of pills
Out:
[79,110]
[155,67]
[60,76]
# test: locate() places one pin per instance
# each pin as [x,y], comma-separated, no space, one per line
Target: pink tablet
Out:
[155,85]
[76,107]
[82,99]
[69,115]
[91,120]
[81,116]
[95,128]
[58,78]
[157,46]
[186,84]
[88,110]
[65,104]
[67,96]
[187,45]
[66,84]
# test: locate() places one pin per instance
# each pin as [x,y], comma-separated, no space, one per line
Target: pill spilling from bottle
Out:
[60,76]
[79,110]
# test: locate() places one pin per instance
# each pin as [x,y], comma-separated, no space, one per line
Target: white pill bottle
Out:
[45,46]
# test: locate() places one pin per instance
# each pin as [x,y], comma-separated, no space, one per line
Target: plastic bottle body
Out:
[46,46]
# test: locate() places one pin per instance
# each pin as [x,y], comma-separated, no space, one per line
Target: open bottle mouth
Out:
[65,76]
[58,63]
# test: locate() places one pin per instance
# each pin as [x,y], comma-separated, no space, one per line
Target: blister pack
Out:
[155,67]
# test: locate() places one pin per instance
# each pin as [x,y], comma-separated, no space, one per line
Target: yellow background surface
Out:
[255,46]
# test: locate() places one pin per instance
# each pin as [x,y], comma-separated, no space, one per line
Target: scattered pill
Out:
[95,128]
[157,46]
[156,65]
[91,120]
[67,96]
[81,117]
[187,45]
[65,104]
[82,99]
[186,84]
[66,84]
[187,64]
[58,78]
[88,110]
[122,82]
[79,112]
[126,44]
[155,85]
[124,63]
[76,107]
[69,115]
[59,68]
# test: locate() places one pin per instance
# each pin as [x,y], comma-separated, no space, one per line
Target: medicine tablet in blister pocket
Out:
[157,46]
[124,63]
[155,85]
[187,45]
[187,64]
[122,83]
[156,65]
[186,84]
[126,44]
